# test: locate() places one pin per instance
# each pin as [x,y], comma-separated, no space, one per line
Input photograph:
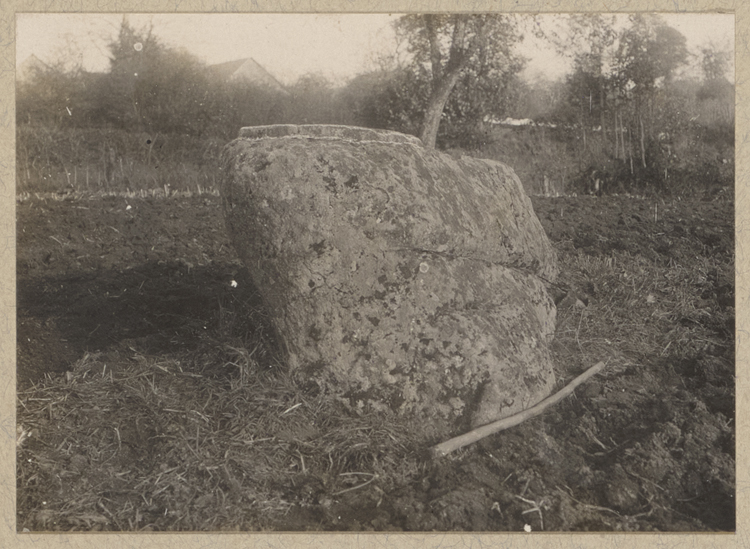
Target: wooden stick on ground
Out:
[445,448]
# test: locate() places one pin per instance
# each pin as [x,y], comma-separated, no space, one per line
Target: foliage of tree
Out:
[639,120]
[589,40]
[649,52]
[233,105]
[468,60]
[622,96]
[540,99]
[390,99]
[714,62]
[53,95]
[716,94]
[151,87]
[312,99]
[648,55]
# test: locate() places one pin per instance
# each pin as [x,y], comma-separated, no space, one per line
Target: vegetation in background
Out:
[638,125]
[627,116]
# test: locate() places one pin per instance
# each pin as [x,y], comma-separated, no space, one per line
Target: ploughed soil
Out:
[646,285]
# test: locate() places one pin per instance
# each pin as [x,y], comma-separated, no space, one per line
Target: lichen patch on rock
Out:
[399,277]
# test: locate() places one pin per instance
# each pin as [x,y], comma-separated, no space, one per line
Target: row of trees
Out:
[631,112]
[625,112]
[459,70]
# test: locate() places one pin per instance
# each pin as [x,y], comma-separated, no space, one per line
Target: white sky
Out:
[287,45]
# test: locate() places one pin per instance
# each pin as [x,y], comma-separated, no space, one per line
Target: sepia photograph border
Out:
[10,538]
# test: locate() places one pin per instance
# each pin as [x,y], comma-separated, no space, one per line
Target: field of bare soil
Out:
[150,397]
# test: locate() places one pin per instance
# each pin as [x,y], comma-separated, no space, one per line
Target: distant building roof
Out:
[247,70]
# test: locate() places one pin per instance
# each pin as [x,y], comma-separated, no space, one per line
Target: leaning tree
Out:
[471,56]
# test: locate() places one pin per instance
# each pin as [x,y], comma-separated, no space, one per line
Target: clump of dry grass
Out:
[211,442]
[647,320]
[639,309]
[221,437]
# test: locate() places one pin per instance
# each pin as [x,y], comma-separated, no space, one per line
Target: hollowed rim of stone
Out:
[328,132]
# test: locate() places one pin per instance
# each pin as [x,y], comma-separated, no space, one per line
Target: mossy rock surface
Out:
[398,277]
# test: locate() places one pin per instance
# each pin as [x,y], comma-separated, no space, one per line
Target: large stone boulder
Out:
[398,278]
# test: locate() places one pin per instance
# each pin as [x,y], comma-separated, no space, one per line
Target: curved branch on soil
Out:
[445,448]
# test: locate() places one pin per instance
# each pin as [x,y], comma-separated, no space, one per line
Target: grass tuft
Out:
[202,444]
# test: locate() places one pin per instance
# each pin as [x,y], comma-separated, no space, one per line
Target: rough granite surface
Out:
[399,278]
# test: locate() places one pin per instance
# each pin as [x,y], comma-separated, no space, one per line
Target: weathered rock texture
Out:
[398,277]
